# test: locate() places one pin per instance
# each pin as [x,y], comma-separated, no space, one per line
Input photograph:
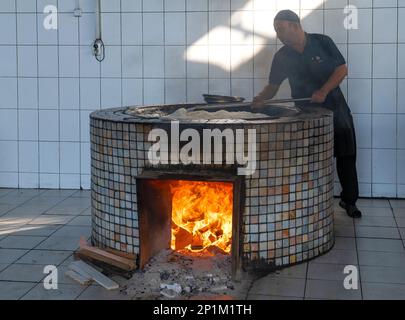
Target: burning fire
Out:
[201,216]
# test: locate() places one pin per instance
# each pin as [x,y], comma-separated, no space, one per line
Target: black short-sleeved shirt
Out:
[308,72]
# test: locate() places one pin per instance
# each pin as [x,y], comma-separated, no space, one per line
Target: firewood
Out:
[197,243]
[183,238]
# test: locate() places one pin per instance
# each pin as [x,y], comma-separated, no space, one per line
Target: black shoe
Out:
[351,210]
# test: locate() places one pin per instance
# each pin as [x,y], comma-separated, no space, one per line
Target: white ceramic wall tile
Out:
[111,28]
[8,92]
[175,28]
[384,190]
[153,91]
[359,95]
[85,158]
[195,90]
[401,132]
[175,5]
[46,36]
[85,181]
[132,92]
[334,27]
[197,28]
[361,3]
[68,26]
[385,25]
[27,61]
[384,3]
[48,61]
[28,180]
[360,61]
[69,157]
[131,5]
[219,61]
[48,93]
[110,93]
[152,5]
[69,124]
[110,5]
[384,96]
[68,5]
[364,31]
[258,85]
[400,167]
[49,180]
[175,64]
[70,181]
[384,165]
[216,5]
[153,57]
[362,124]
[264,5]
[242,31]
[365,190]
[7,29]
[26,29]
[48,125]
[197,61]
[89,66]
[242,62]
[242,88]
[8,61]
[288,4]
[111,65]
[263,27]
[85,126]
[44,4]
[219,28]
[27,124]
[9,179]
[332,4]
[401,95]
[384,132]
[8,156]
[132,61]
[197,5]
[401,60]
[69,61]
[28,153]
[401,24]
[69,93]
[131,28]
[312,21]
[363,165]
[153,28]
[8,124]
[175,91]
[87,32]
[26,5]
[242,5]
[385,60]
[219,86]
[263,57]
[27,93]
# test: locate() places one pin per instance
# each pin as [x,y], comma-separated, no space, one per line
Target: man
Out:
[315,68]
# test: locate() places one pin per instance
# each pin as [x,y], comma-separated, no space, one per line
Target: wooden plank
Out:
[107,257]
[83,280]
[87,270]
[126,255]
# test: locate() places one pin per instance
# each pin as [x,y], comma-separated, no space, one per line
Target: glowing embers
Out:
[201,216]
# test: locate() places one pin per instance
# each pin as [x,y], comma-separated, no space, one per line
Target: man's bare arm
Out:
[268,92]
[333,82]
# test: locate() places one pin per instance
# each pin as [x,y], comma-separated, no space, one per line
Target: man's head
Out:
[288,27]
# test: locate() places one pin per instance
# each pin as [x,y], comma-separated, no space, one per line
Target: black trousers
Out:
[346,170]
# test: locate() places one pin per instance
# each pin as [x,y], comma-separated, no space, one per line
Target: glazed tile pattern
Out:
[288,212]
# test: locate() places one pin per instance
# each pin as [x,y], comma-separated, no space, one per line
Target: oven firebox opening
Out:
[201,216]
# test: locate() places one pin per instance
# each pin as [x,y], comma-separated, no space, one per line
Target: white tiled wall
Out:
[168,51]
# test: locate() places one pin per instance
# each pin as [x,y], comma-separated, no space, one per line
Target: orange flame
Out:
[201,215]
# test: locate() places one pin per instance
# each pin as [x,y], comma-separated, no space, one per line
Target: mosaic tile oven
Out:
[283,213]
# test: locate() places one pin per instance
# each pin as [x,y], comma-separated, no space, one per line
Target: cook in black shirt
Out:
[315,68]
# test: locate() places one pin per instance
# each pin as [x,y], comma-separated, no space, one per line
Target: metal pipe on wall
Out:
[98,45]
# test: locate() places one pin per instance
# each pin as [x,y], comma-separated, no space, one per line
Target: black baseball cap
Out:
[287,15]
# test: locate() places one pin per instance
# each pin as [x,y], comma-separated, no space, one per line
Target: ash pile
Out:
[173,275]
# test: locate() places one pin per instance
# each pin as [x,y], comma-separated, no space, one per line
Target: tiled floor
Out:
[42,227]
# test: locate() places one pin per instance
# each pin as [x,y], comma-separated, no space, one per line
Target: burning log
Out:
[183,238]
[197,243]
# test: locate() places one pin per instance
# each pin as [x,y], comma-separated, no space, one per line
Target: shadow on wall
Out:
[236,53]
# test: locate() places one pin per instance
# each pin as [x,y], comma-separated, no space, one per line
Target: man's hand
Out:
[319,96]
[257,103]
